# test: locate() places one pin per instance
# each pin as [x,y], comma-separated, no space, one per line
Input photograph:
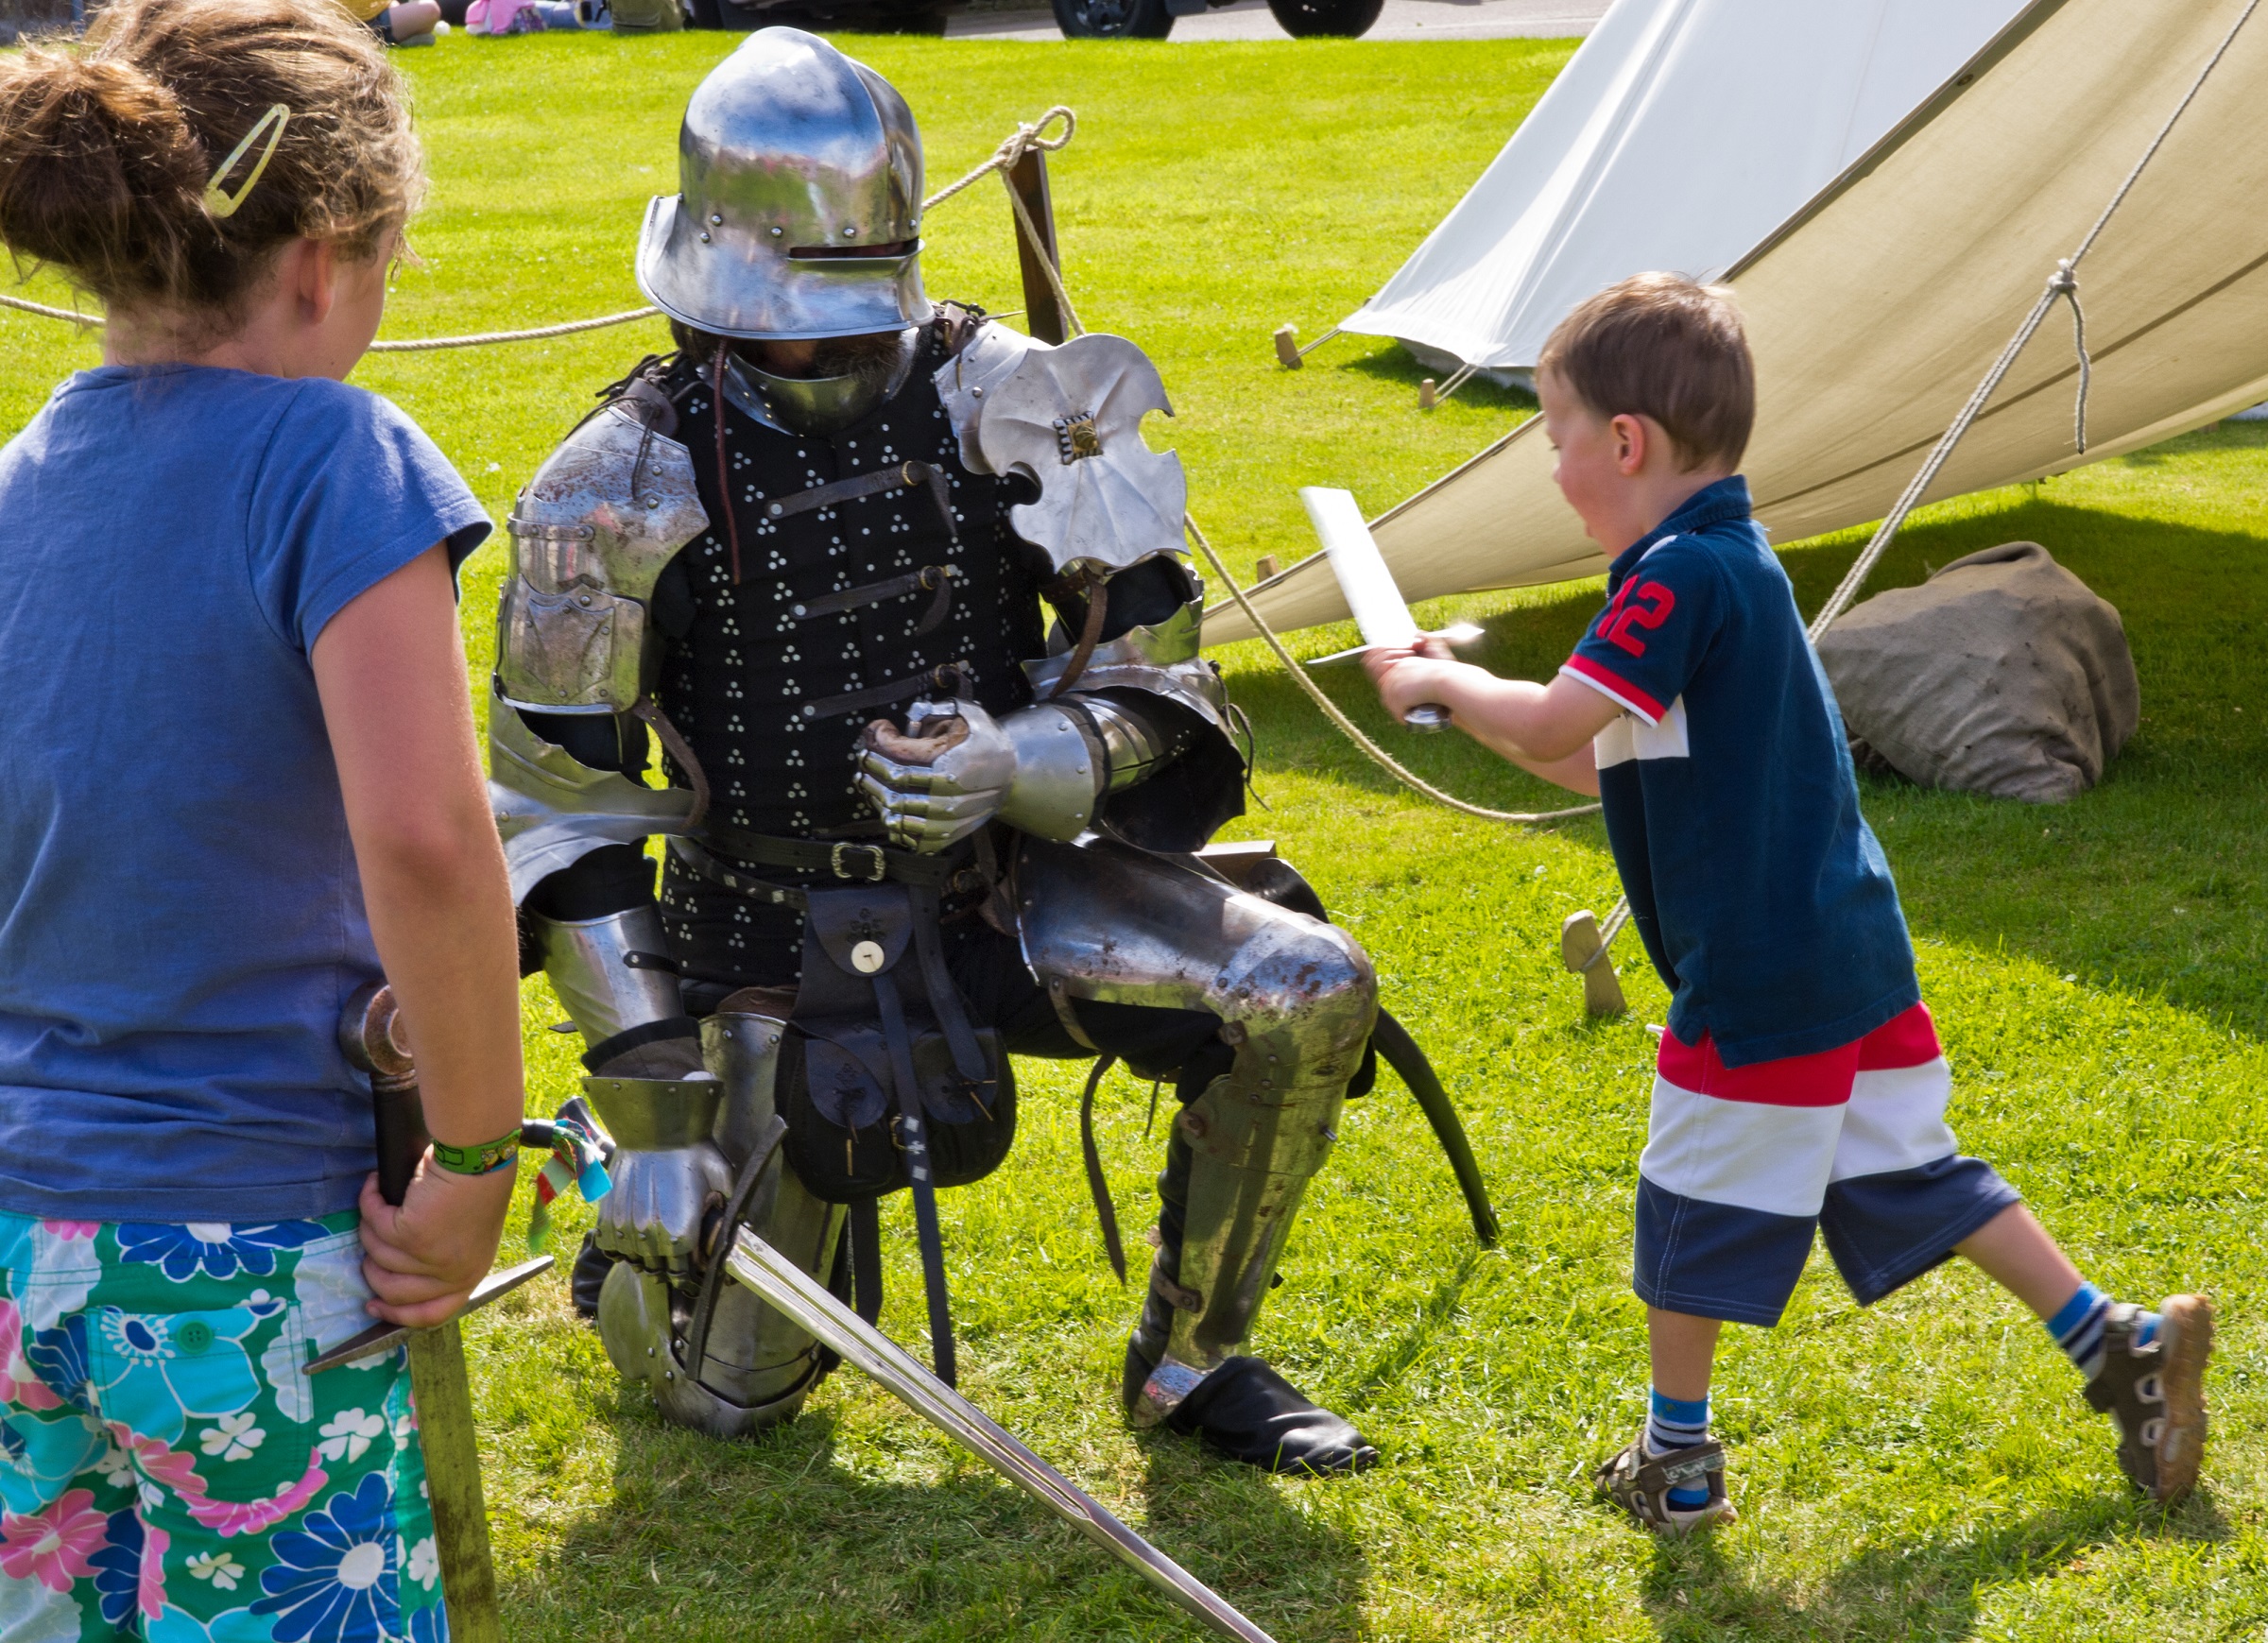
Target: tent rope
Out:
[2063,286]
[1027,135]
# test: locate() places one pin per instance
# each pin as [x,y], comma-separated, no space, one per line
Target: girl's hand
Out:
[423,1259]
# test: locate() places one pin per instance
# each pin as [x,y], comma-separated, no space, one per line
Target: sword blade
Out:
[383,1337]
[1372,599]
[788,1288]
[460,1513]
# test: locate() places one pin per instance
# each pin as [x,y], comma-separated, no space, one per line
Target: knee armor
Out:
[1296,998]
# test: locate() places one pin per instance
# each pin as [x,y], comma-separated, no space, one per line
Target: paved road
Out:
[1402,19]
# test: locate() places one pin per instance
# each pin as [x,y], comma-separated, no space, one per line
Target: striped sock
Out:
[2078,1329]
[1673,1423]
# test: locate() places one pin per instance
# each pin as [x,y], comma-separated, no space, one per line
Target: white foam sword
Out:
[1373,600]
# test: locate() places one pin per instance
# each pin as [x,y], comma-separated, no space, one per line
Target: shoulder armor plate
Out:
[590,534]
[1070,418]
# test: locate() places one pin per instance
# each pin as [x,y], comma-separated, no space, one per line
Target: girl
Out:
[237,782]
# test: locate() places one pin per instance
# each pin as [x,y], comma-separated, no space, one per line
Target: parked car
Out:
[1154,19]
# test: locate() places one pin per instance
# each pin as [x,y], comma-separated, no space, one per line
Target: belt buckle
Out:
[874,876]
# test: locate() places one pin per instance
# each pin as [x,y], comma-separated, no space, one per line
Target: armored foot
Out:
[1246,1412]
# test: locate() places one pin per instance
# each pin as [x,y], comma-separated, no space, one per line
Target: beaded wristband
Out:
[485,1160]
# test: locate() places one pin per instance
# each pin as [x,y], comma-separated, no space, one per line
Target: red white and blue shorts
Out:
[1742,1163]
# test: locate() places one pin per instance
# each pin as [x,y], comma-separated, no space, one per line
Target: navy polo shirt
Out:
[1759,889]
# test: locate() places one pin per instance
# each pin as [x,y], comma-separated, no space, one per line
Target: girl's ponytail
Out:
[105,152]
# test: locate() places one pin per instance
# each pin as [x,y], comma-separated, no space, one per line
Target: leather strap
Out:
[919,1171]
[905,476]
[936,579]
[702,864]
[951,679]
[1091,635]
[1098,1185]
[864,1229]
[1174,1295]
[636,1038]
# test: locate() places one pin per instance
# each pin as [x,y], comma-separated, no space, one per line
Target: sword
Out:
[369,1032]
[1372,598]
[789,1289]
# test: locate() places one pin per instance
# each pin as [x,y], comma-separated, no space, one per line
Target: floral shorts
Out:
[167,1469]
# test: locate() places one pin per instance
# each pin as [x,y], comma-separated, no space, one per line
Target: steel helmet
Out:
[793,158]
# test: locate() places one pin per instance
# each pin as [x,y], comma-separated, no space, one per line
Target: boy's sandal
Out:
[2157,1392]
[1640,1483]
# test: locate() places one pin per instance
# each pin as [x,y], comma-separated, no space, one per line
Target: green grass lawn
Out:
[1924,1470]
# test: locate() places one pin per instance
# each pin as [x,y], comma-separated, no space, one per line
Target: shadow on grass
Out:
[1394,364]
[805,1532]
[1232,1526]
[1928,1591]
[2156,882]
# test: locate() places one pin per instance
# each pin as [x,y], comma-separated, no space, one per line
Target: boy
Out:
[1799,1083]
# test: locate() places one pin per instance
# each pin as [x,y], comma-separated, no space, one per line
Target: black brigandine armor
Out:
[742,668]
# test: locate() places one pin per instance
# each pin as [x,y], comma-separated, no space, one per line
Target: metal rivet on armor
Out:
[849,231]
[705,241]
[776,233]
[718,218]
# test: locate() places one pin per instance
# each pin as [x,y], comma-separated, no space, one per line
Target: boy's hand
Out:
[1411,678]
[423,1259]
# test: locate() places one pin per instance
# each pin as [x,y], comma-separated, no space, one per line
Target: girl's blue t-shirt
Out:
[180,919]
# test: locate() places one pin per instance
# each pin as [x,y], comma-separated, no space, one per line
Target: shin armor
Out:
[717,1358]
[1296,998]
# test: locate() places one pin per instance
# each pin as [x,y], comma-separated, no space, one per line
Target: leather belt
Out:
[850,862]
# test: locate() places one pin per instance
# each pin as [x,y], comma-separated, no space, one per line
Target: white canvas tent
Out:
[1876,309]
[1680,134]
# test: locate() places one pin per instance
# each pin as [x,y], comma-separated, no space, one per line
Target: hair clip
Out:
[218,200]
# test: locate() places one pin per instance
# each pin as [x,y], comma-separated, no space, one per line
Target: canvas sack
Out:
[2003,674]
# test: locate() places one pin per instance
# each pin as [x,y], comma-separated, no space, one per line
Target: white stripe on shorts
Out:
[1746,1154]
[1896,1120]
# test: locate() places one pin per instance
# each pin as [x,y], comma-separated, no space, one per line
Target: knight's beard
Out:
[873,358]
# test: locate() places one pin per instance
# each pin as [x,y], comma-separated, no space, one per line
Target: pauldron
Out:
[1068,418]
[590,534]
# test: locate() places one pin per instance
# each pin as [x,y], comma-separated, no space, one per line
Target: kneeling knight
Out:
[913,826]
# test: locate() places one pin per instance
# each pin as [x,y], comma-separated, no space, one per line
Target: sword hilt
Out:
[370,1033]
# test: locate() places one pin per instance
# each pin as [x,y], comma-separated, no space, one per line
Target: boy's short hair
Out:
[1664,346]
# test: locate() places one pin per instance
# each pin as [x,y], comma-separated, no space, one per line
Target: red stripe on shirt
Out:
[1907,1040]
[1820,1080]
[1620,688]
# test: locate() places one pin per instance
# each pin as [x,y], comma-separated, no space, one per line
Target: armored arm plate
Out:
[553,810]
[590,534]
